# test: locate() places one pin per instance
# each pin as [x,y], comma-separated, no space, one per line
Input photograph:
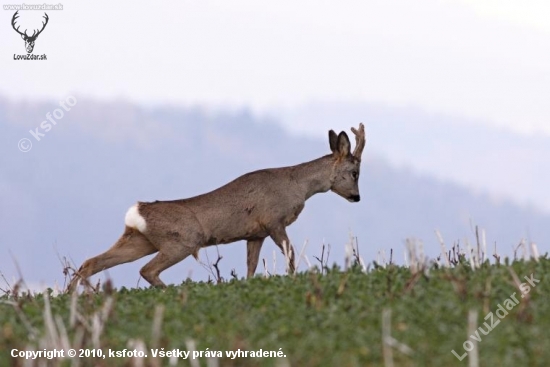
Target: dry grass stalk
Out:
[473,356]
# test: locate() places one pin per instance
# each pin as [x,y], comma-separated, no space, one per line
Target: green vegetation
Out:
[329,319]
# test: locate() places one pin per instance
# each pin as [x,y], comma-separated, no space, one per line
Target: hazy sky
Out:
[484,59]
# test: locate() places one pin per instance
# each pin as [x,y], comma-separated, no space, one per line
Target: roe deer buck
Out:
[252,207]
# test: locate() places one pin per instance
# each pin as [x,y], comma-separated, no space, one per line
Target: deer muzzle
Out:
[354,198]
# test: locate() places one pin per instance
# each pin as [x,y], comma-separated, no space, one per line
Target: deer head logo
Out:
[29,40]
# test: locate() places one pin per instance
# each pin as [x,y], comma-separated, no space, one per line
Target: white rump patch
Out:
[134,220]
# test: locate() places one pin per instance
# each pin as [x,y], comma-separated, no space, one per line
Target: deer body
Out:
[253,207]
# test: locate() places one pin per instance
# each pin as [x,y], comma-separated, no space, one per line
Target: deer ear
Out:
[332,140]
[343,144]
[23,36]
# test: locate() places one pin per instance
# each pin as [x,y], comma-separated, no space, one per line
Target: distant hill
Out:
[69,193]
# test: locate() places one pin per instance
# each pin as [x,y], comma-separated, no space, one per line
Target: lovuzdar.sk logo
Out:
[29,40]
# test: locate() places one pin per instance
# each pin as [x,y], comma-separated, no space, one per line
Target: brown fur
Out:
[256,205]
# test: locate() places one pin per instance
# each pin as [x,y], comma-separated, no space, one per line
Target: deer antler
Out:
[15,16]
[43,26]
[34,34]
[359,140]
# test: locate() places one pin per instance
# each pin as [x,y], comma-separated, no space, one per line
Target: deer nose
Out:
[355,198]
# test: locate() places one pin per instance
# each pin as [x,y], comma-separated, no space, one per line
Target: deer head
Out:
[345,172]
[29,40]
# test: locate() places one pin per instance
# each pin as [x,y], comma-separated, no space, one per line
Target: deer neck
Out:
[315,176]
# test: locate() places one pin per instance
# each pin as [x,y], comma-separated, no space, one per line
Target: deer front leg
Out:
[280,238]
[253,248]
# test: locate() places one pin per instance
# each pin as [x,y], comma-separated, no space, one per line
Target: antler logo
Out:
[29,40]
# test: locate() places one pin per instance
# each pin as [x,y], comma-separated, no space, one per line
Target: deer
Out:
[254,206]
[29,40]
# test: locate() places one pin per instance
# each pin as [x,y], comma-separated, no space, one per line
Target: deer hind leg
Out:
[176,233]
[280,238]
[132,245]
[169,254]
[253,248]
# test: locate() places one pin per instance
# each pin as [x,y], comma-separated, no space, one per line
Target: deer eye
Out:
[354,174]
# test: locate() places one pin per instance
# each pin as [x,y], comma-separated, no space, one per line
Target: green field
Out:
[328,318]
